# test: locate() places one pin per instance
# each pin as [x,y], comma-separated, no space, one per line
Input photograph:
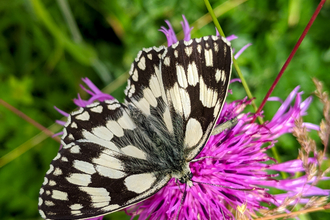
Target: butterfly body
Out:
[115,154]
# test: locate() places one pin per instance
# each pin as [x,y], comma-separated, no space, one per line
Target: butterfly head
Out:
[184,175]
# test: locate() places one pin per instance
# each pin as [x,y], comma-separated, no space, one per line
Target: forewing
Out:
[102,166]
[196,75]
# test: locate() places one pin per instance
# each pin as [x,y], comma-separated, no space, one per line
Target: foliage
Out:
[43,58]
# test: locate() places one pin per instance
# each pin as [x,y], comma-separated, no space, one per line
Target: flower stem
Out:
[311,21]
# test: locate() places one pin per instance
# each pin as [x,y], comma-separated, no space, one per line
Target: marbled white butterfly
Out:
[116,154]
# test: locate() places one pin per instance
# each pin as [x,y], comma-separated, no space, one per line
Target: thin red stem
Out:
[311,21]
[30,120]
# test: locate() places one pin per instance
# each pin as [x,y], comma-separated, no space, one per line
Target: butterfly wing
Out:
[99,169]
[196,76]
[115,155]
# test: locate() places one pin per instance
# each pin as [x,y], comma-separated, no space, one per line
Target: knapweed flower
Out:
[231,175]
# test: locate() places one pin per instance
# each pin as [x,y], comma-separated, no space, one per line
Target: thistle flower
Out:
[230,174]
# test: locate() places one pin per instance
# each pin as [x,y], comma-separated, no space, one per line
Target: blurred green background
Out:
[47,46]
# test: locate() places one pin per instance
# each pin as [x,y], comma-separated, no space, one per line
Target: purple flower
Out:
[231,174]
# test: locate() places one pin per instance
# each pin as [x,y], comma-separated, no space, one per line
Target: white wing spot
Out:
[192,74]
[131,91]
[214,38]
[143,105]
[52,183]
[79,179]
[74,125]
[91,138]
[175,45]
[207,96]
[194,133]
[47,192]
[185,101]
[97,194]
[51,168]
[115,128]
[147,50]
[139,183]
[223,77]
[70,137]
[75,212]
[77,112]
[188,51]
[205,38]
[168,120]
[174,95]
[142,63]
[40,201]
[133,151]
[149,56]
[42,214]
[135,75]
[216,47]
[176,54]
[126,122]
[208,57]
[75,149]
[198,40]
[41,191]
[110,172]
[59,195]
[112,104]
[97,109]
[67,146]
[57,172]
[187,43]
[138,55]
[149,96]
[45,181]
[216,109]
[64,159]
[84,166]
[182,79]
[76,206]
[199,48]
[58,155]
[49,203]
[103,132]
[217,75]
[167,61]
[107,160]
[84,116]
[154,86]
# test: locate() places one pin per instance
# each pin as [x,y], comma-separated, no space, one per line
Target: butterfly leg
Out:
[182,201]
[221,127]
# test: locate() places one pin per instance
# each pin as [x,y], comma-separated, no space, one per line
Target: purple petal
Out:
[186,28]
[241,51]
[61,112]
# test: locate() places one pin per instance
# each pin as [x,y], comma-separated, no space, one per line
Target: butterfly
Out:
[116,154]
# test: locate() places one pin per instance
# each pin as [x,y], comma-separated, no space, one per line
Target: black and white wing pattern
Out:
[116,154]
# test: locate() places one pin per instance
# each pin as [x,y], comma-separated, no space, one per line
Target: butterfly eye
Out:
[187,177]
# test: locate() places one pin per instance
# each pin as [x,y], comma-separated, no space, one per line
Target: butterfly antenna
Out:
[176,181]
[182,200]
[221,127]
